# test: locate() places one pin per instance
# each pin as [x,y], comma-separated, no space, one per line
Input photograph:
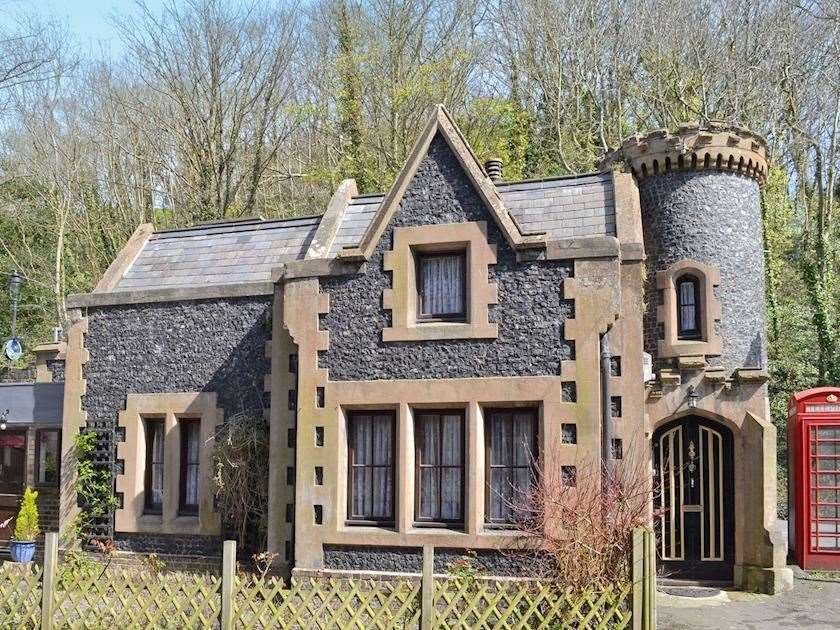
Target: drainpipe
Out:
[606,403]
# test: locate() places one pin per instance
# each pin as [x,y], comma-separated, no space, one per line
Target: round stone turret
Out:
[701,217]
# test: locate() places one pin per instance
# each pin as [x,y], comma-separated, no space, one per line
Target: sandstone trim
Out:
[716,146]
[666,313]
[169,407]
[331,219]
[125,258]
[244,289]
[441,122]
[401,300]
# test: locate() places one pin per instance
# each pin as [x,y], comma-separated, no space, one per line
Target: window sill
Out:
[431,331]
[370,525]
[445,527]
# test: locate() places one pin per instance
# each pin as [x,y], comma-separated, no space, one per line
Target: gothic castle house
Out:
[414,352]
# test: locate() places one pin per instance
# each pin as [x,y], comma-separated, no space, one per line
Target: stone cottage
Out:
[415,352]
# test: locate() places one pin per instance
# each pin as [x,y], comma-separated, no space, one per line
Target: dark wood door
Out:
[693,464]
[12,478]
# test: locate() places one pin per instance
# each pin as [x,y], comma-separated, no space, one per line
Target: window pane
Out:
[191,435]
[12,460]
[48,456]
[511,440]
[442,284]
[439,466]
[371,474]
[154,464]
[687,289]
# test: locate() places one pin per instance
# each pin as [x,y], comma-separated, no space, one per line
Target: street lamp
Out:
[13,348]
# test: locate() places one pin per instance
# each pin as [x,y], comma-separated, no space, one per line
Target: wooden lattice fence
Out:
[112,597]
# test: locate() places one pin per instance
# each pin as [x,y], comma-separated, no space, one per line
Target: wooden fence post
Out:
[638,576]
[650,580]
[427,589]
[48,583]
[228,575]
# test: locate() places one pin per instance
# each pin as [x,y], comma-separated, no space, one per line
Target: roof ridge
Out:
[253,224]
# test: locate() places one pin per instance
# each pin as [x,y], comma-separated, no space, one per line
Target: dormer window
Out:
[441,286]
[688,308]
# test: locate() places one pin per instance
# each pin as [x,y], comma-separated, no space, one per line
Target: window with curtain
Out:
[47,457]
[688,314]
[511,443]
[441,286]
[371,451]
[154,466]
[439,461]
[190,445]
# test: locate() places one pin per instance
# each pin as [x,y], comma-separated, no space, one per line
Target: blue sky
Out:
[89,21]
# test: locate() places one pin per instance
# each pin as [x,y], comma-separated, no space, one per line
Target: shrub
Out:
[27,526]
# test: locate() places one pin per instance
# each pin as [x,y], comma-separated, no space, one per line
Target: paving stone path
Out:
[810,605]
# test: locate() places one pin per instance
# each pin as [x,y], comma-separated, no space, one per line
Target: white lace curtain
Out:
[191,480]
[441,466]
[156,429]
[372,482]
[442,280]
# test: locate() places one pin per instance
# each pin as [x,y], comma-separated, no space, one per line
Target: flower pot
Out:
[22,550]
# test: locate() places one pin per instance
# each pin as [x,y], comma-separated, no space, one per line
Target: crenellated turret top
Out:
[715,145]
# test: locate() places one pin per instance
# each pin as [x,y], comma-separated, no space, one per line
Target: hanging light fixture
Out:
[3,416]
[693,397]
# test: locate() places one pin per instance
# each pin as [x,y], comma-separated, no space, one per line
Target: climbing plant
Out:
[94,486]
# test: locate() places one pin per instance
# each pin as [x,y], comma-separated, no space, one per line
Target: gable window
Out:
[154,466]
[511,444]
[688,307]
[441,286]
[48,443]
[190,443]
[371,473]
[439,461]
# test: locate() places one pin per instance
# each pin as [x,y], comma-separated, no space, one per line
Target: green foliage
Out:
[94,484]
[77,567]
[27,525]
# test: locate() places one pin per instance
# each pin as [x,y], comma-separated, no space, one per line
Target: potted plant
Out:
[27,528]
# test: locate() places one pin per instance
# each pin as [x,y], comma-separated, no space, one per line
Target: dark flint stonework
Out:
[56,366]
[213,346]
[715,218]
[169,544]
[410,560]
[530,313]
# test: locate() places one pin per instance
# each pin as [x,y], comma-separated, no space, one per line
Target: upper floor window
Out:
[47,456]
[190,442]
[371,474]
[688,308]
[154,466]
[442,286]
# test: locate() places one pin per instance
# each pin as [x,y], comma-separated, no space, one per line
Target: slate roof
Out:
[563,207]
[228,252]
[32,402]
[246,250]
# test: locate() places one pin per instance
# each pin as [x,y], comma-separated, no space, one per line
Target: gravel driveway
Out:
[810,605]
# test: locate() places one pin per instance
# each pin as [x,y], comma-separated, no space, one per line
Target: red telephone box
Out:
[814,473]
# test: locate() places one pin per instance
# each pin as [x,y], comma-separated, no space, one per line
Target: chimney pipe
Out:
[493,167]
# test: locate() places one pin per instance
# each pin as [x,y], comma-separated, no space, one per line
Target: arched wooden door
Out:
[694,499]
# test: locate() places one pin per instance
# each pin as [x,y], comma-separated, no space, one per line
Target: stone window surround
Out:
[708,278]
[401,299]
[405,482]
[171,407]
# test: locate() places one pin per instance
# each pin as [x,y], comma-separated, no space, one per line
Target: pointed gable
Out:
[441,134]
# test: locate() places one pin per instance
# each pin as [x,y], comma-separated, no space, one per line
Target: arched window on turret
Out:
[689,313]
